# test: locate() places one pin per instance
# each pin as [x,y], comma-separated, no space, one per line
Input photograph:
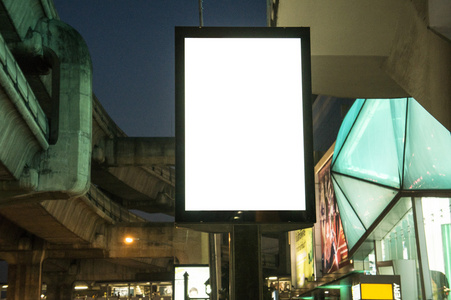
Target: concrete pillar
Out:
[59,286]
[24,276]
[67,163]
[24,281]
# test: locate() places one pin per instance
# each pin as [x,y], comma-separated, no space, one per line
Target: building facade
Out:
[383,204]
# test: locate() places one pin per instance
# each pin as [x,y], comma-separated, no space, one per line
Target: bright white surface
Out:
[197,277]
[243,124]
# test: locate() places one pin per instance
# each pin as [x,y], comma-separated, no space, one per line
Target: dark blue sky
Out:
[132,51]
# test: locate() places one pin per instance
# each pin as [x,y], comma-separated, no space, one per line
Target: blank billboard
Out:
[243,125]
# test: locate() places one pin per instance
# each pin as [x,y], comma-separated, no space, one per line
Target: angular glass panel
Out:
[347,125]
[367,199]
[427,161]
[353,228]
[398,246]
[398,108]
[399,216]
[370,151]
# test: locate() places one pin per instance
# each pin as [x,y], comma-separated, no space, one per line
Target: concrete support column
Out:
[24,277]
[60,287]
[246,263]
[24,281]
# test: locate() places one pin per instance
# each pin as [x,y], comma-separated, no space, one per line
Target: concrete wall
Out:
[375,49]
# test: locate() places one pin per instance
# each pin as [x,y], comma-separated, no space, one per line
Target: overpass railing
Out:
[110,208]
[28,105]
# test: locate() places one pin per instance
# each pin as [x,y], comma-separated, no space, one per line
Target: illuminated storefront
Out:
[123,290]
[302,269]
[390,173]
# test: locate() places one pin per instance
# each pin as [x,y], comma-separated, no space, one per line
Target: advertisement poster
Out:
[333,242]
[196,275]
[303,249]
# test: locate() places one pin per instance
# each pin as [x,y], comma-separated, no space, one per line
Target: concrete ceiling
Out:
[440,17]
[348,44]
[377,49]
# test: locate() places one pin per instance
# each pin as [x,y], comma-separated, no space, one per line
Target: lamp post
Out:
[185,285]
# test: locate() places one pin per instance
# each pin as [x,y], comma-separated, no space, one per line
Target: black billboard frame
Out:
[305,218]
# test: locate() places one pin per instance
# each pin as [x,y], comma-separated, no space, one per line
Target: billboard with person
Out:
[334,249]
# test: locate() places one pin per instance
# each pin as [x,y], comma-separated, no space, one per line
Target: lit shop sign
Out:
[243,125]
[381,291]
[196,277]
[302,256]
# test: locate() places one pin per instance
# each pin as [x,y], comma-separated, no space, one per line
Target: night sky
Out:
[132,51]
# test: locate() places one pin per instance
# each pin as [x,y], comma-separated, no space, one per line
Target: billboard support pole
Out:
[215,264]
[247,282]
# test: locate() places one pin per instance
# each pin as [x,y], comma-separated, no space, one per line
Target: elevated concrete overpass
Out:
[69,175]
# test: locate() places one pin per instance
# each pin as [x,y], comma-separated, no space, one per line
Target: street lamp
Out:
[128,240]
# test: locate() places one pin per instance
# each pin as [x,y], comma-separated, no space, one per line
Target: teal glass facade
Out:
[386,147]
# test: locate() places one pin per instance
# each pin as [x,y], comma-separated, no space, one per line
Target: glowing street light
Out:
[128,240]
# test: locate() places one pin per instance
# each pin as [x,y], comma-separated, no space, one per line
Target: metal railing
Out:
[110,208]
[164,173]
[20,83]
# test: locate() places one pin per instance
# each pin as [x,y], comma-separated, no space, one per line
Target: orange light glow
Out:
[129,240]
